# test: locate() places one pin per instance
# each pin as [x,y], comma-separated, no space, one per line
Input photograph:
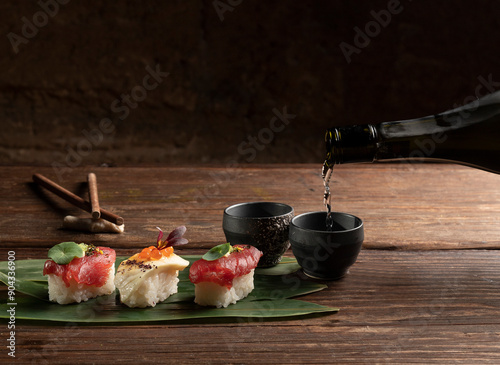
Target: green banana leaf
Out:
[35,289]
[105,311]
[288,265]
[270,299]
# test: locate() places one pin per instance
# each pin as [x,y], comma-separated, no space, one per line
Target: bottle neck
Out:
[454,135]
[351,144]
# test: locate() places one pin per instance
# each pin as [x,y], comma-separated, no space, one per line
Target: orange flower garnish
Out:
[163,248]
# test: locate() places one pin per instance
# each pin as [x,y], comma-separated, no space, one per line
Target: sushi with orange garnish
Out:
[151,276]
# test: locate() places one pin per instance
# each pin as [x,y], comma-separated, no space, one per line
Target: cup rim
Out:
[228,214]
[294,225]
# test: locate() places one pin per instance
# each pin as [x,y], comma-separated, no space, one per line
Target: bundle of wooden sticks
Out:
[91,207]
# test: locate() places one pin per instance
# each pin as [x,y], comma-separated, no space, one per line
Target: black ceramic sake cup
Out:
[326,254]
[263,225]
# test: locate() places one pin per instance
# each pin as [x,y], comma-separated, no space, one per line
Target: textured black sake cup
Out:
[323,254]
[263,225]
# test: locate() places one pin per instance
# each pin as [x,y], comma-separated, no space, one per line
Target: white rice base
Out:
[212,294]
[154,289]
[78,292]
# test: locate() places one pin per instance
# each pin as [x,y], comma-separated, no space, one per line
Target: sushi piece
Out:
[224,274]
[78,272]
[151,276]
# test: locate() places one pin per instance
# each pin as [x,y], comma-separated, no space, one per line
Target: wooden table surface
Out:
[425,287]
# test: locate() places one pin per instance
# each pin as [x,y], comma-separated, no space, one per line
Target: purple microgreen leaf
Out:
[174,238]
[178,241]
[177,233]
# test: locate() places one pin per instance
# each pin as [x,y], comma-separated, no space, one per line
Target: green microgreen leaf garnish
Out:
[64,252]
[218,251]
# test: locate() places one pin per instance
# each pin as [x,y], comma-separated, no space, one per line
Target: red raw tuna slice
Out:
[89,270]
[222,271]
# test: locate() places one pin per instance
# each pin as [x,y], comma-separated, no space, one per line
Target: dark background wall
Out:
[74,87]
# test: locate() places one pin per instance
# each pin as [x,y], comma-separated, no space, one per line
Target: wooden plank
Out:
[402,305]
[397,307]
[403,206]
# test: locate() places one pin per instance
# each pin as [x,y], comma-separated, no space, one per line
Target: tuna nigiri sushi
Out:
[78,272]
[224,274]
[151,276]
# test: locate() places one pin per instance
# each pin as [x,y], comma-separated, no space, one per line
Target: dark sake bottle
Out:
[468,135]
